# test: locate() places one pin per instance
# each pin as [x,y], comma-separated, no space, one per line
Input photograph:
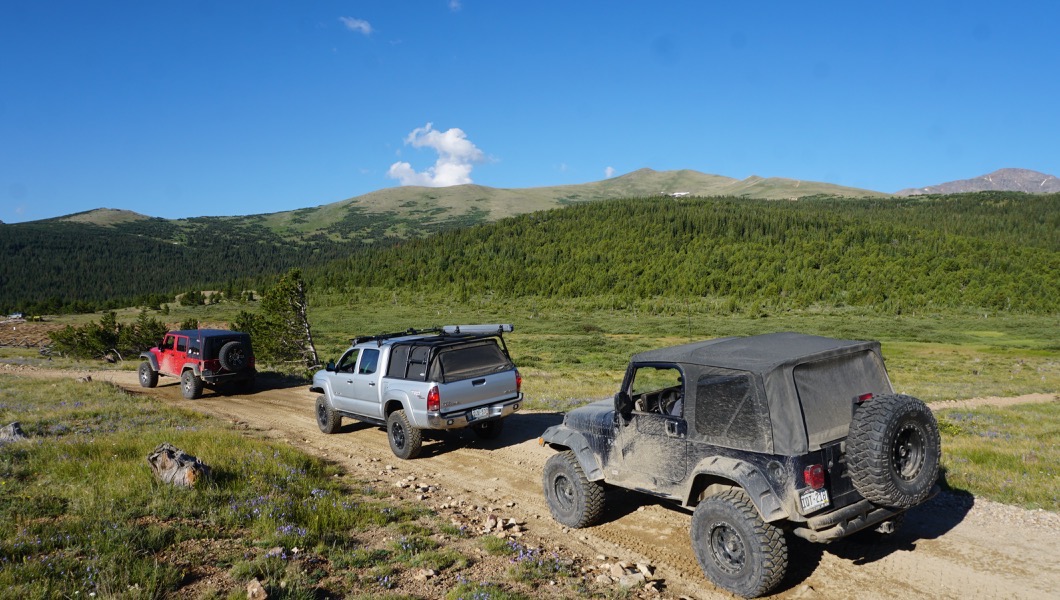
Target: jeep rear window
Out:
[729,411]
[469,360]
[215,343]
[827,390]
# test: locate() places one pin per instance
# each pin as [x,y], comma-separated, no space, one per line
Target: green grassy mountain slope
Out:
[411,211]
[106,254]
[401,211]
[993,251]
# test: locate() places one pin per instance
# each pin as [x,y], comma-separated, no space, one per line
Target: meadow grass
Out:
[84,515]
[571,351]
[1008,455]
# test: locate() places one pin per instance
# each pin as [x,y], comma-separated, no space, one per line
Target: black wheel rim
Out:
[564,492]
[907,452]
[728,549]
[397,433]
[322,414]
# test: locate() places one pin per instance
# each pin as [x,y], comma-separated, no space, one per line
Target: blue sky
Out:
[181,109]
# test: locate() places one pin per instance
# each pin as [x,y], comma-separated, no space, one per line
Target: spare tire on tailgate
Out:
[893,450]
[234,356]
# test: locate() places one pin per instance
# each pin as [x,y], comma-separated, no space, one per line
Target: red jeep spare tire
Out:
[234,356]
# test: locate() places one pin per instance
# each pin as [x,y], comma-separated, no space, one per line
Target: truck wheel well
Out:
[390,407]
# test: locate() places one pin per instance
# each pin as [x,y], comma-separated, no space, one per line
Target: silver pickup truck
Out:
[446,378]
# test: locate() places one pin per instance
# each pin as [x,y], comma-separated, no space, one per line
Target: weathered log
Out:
[12,433]
[173,465]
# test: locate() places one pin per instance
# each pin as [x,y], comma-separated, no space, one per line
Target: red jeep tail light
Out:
[518,382]
[814,476]
[864,397]
[434,400]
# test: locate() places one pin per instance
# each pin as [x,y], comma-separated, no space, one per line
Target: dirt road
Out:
[953,547]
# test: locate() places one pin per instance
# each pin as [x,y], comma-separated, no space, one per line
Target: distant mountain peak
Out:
[104,216]
[1002,180]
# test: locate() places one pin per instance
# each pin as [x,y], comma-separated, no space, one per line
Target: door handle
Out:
[672,429]
[371,383]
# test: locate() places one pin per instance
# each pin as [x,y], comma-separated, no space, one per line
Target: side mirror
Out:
[330,366]
[623,405]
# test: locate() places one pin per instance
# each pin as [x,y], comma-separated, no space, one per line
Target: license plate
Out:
[479,413]
[811,500]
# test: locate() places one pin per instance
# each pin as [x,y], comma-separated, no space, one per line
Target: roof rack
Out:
[484,330]
[491,329]
[386,336]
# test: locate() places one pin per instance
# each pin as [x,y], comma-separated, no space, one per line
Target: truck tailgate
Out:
[477,391]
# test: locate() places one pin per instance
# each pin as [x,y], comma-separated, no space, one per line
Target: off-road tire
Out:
[736,549]
[234,356]
[327,419]
[489,430]
[190,384]
[572,499]
[405,440]
[893,450]
[148,376]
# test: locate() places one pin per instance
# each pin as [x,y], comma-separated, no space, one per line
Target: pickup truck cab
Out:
[446,378]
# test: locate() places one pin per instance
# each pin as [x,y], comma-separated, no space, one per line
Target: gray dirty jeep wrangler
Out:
[765,436]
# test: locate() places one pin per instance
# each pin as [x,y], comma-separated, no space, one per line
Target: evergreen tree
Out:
[281,331]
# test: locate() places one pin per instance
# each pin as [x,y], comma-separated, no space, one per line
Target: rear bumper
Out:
[216,378]
[849,519]
[462,418]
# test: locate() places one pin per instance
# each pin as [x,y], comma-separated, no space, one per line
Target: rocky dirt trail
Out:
[953,547]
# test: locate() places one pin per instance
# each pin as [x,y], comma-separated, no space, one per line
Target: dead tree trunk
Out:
[174,466]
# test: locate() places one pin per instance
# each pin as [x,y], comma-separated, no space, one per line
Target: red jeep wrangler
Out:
[201,357]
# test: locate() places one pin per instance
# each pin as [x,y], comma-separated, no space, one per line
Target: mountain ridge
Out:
[1001,180]
[479,202]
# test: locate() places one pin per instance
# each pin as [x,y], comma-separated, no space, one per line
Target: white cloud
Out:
[456,157]
[357,25]
[609,172]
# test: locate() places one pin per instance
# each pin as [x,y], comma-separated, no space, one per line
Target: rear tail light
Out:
[434,400]
[518,382]
[814,476]
[864,398]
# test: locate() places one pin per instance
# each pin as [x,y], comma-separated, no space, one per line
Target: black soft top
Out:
[760,354]
[805,386]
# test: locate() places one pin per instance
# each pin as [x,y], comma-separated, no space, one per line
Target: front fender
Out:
[726,471]
[562,437]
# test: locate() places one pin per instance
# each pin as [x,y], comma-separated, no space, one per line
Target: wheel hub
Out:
[728,549]
[908,452]
[564,491]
